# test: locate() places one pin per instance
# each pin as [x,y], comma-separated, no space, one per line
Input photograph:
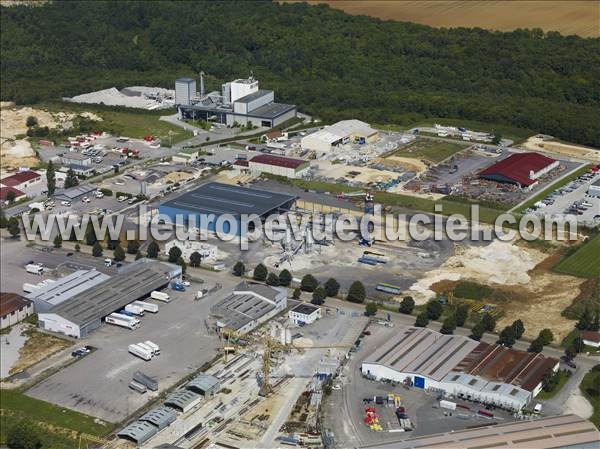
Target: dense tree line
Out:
[331,64]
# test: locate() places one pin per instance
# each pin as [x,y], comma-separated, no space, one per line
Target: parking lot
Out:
[98,383]
[345,409]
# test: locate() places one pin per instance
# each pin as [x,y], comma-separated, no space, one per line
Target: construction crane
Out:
[228,339]
[367,196]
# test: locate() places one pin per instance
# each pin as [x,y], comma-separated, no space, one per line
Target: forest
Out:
[331,64]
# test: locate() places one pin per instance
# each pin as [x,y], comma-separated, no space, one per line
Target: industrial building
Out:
[139,432]
[304,313]
[458,366]
[591,338]
[347,131]
[13,309]
[188,247]
[74,193]
[83,312]
[278,165]
[204,384]
[183,400]
[249,305]
[594,188]
[6,192]
[46,295]
[567,431]
[523,169]
[239,101]
[21,180]
[217,200]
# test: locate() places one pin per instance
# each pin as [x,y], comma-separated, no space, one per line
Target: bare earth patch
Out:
[38,347]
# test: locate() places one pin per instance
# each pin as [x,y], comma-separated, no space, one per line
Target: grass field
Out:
[592,381]
[17,408]
[567,17]
[431,150]
[562,380]
[585,262]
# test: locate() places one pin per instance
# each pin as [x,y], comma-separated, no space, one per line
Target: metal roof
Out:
[203,383]
[19,178]
[545,433]
[138,432]
[68,286]
[278,161]
[161,417]
[305,309]
[253,96]
[217,198]
[517,167]
[182,398]
[9,302]
[271,110]
[184,80]
[75,192]
[123,288]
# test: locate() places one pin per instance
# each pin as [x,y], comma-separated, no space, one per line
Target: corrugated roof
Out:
[203,383]
[68,286]
[4,192]
[9,302]
[278,161]
[590,336]
[18,178]
[182,398]
[138,432]
[161,417]
[517,167]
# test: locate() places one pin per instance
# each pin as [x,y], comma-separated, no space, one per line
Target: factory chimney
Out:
[201,84]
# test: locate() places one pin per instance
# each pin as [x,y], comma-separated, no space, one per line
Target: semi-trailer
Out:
[448,404]
[146,348]
[147,306]
[155,348]
[141,352]
[140,388]
[160,296]
[146,380]
[136,310]
[34,268]
[123,320]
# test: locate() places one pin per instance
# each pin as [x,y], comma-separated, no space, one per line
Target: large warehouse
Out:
[218,199]
[278,165]
[240,101]
[523,169]
[347,131]
[459,366]
[248,305]
[83,312]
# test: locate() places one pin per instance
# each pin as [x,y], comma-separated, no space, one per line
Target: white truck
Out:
[448,405]
[136,310]
[138,387]
[147,306]
[28,288]
[118,319]
[146,348]
[160,296]
[34,268]
[139,351]
[155,348]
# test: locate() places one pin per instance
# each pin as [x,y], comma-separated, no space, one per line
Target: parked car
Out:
[69,254]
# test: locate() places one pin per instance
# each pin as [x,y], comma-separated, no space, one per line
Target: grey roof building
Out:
[52,294]
[249,305]
[139,432]
[73,193]
[84,311]
[183,400]
[204,384]
[161,417]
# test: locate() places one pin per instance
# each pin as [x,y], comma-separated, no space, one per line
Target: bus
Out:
[389,288]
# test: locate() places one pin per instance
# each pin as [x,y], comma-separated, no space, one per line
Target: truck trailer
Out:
[155,348]
[123,320]
[140,388]
[147,306]
[141,352]
[136,310]
[160,296]
[34,268]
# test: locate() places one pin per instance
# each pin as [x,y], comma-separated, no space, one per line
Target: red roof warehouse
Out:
[19,178]
[520,168]
[278,161]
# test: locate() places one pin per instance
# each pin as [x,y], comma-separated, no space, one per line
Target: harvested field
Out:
[522,285]
[37,347]
[537,143]
[430,150]
[567,17]
[404,163]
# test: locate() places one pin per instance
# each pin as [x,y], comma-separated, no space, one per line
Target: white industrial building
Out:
[591,338]
[13,309]
[347,131]
[277,165]
[247,306]
[304,313]
[460,367]
[594,188]
[239,101]
[188,247]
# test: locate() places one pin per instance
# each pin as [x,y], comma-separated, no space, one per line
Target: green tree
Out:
[273,280]
[518,328]
[536,346]
[77,248]
[31,121]
[58,241]
[50,179]
[138,255]
[97,249]
[182,264]
[332,287]
[318,296]
[407,305]
[297,293]
[461,314]
[434,309]
[239,269]
[71,180]
[422,320]
[477,331]
[497,138]
[13,227]
[357,292]
[11,196]
[111,244]
[507,337]
[153,250]
[195,259]
[174,254]
[585,320]
[370,309]
[546,337]
[448,325]
[90,235]
[23,435]
[309,283]
[596,323]
[488,322]
[260,273]
[285,278]
[133,246]
[119,253]
[3,220]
